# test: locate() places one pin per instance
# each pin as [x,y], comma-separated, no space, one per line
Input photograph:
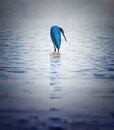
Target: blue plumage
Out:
[55,34]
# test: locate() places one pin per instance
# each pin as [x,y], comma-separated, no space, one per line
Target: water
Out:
[72,91]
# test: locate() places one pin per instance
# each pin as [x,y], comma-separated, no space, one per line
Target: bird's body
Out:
[55,34]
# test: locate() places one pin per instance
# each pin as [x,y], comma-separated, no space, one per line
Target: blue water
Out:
[72,91]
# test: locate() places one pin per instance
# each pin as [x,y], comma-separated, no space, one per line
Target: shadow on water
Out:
[55,110]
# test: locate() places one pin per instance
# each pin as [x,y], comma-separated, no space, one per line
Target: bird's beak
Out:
[65,37]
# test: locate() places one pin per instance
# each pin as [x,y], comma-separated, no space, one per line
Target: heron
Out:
[55,33]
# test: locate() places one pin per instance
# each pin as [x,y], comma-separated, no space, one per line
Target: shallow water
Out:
[72,91]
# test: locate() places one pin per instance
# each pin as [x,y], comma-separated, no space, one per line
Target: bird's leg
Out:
[58,50]
[54,49]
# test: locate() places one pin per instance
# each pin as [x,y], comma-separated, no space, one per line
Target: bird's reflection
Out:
[55,72]
[55,110]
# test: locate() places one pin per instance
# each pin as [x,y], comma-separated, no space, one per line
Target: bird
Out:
[55,34]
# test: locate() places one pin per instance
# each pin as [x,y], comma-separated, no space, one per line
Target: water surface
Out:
[72,91]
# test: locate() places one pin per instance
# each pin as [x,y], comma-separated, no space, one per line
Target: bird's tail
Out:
[63,34]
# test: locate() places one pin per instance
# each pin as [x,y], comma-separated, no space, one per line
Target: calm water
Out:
[72,91]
